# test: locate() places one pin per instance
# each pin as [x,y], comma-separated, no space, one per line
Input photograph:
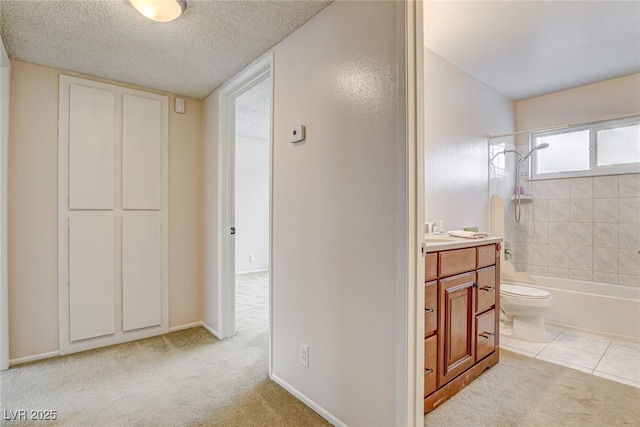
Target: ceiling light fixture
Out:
[160,10]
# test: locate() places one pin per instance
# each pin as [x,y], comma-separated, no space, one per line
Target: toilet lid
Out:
[523,291]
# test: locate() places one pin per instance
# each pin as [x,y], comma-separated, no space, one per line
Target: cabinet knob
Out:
[488,288]
[428,371]
[486,334]
[428,310]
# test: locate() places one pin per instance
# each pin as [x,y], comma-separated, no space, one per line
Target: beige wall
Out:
[33,161]
[599,101]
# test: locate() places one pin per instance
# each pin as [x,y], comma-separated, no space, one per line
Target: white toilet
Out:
[526,308]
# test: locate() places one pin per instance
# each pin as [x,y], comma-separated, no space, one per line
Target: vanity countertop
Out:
[443,242]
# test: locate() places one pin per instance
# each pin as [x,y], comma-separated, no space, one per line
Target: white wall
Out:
[336,214]
[252,203]
[460,112]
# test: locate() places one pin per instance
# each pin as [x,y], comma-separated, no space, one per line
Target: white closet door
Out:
[141,153]
[91,276]
[141,271]
[91,148]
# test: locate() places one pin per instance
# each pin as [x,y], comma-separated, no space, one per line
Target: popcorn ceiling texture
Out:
[193,55]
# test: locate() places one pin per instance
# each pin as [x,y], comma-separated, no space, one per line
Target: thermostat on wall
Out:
[296,133]
[180,105]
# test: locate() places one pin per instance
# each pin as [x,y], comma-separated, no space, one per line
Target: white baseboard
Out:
[211,330]
[21,360]
[310,403]
[185,326]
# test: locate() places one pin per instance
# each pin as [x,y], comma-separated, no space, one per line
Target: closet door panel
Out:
[141,271]
[92,276]
[91,148]
[141,153]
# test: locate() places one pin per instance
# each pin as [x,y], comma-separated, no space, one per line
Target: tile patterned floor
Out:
[605,357]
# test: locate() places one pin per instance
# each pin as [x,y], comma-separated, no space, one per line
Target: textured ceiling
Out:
[530,48]
[193,55]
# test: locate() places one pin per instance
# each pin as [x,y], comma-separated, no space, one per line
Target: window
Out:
[602,148]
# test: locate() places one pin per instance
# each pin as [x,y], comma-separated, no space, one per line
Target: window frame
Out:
[594,169]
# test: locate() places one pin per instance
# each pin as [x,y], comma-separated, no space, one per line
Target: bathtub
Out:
[612,310]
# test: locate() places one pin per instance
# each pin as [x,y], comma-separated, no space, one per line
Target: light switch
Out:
[296,133]
[180,105]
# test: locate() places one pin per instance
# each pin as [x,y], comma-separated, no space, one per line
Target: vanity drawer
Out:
[486,290]
[485,334]
[431,266]
[430,363]
[486,255]
[430,307]
[456,261]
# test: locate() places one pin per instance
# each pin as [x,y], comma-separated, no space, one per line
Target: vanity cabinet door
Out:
[456,329]
[486,334]
[430,364]
[486,290]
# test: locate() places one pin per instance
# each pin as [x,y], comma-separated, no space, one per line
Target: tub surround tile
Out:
[599,276]
[605,260]
[605,210]
[581,234]
[540,189]
[558,256]
[540,270]
[537,254]
[605,186]
[559,189]
[540,210]
[581,274]
[581,210]
[580,258]
[629,208]
[629,185]
[540,232]
[559,233]
[581,188]
[628,262]
[626,279]
[629,236]
[558,272]
[559,210]
[605,235]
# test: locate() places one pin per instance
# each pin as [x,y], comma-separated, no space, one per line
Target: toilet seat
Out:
[523,292]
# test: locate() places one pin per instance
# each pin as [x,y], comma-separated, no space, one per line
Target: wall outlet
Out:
[304,355]
[252,258]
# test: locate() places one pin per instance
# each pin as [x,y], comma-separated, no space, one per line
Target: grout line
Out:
[602,356]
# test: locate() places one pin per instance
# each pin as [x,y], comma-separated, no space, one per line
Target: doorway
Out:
[224,288]
[251,206]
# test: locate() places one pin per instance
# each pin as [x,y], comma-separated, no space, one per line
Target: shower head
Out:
[537,147]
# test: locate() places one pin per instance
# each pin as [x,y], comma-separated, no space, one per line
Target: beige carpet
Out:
[186,378]
[189,378]
[523,391]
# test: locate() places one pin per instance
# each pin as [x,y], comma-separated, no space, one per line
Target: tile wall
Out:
[579,228]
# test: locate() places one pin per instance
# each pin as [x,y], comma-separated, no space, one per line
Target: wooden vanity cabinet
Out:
[461,325]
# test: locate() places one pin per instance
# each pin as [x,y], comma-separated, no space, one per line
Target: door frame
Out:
[244,81]
[415,208]
[5,70]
